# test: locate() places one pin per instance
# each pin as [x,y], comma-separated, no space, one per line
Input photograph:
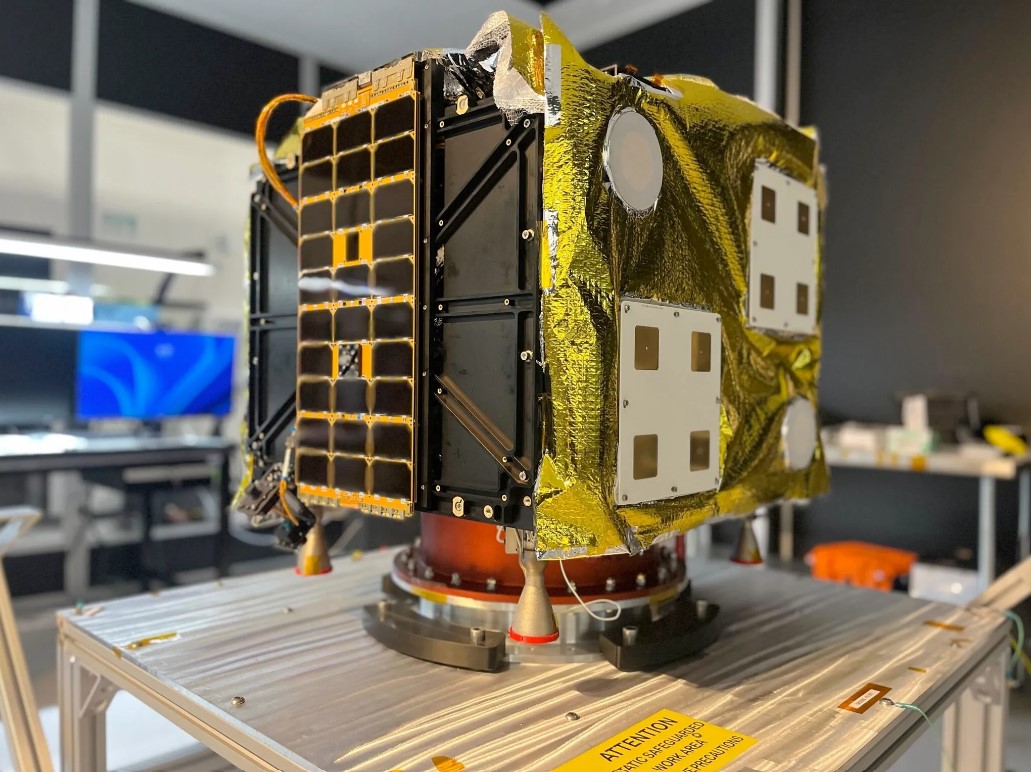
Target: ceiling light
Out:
[119,257]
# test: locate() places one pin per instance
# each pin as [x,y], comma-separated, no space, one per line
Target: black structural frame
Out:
[477,263]
[272,286]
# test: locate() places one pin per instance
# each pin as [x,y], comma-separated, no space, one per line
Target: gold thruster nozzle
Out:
[313,556]
[746,551]
[534,620]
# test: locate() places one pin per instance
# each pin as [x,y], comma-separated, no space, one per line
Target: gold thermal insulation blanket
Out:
[692,248]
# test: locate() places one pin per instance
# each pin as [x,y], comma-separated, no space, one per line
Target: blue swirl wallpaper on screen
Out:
[151,375]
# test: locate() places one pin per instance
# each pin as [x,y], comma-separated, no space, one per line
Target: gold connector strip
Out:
[368,418]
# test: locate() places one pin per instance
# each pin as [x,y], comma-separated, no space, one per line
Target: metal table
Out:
[317,693]
[46,452]
[951,462]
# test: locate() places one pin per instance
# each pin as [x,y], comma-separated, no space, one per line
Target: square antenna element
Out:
[782,264]
[669,402]
[646,348]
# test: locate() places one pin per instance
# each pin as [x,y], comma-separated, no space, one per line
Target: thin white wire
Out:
[500,534]
[587,606]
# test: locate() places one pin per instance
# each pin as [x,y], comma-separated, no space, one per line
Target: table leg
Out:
[222,543]
[786,542]
[986,533]
[704,540]
[75,522]
[25,741]
[974,726]
[761,529]
[1024,514]
[83,698]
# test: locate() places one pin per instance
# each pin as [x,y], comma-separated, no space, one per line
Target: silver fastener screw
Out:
[526,356]
[527,501]
[629,635]
[641,580]
[527,234]
[440,391]
[436,488]
[441,124]
[508,142]
[440,222]
[522,476]
[504,459]
[610,584]
[504,497]
[508,302]
[526,123]
[492,584]
[237,701]
[488,511]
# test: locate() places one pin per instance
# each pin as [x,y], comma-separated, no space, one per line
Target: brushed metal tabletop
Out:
[319,694]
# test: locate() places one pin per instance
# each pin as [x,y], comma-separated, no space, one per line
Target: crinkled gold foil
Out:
[692,249]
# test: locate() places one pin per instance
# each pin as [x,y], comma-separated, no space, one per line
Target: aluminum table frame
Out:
[320,694]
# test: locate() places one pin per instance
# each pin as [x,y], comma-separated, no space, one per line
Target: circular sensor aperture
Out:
[633,160]
[798,432]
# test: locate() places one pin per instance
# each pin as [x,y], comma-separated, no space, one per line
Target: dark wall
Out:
[715,40]
[36,41]
[168,65]
[153,61]
[924,114]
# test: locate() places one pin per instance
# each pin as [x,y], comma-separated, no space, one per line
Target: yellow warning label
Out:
[664,742]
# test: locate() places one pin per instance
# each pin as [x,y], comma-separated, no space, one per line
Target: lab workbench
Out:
[141,463]
[951,462]
[274,671]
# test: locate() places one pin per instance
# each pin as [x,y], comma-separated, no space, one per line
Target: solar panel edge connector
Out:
[362,459]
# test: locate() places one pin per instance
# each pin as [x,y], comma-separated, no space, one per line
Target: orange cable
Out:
[259,139]
[286,507]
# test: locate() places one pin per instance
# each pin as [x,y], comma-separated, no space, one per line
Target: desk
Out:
[46,452]
[953,463]
[319,694]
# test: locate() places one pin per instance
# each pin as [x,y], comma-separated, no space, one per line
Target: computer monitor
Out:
[153,375]
[39,367]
